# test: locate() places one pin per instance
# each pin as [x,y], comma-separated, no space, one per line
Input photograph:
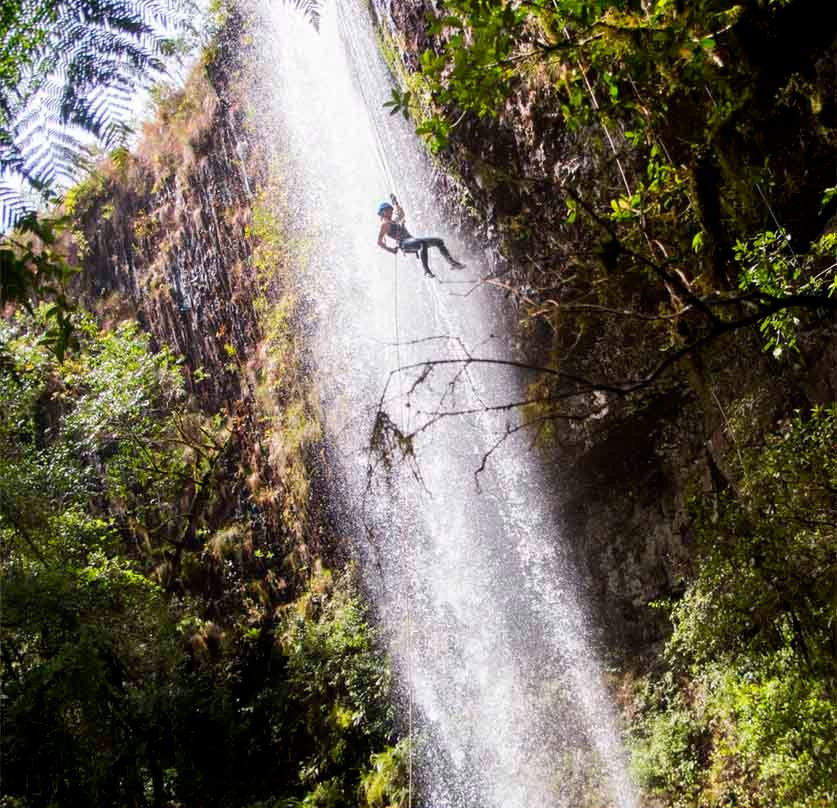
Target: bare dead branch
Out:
[540,421]
[592,307]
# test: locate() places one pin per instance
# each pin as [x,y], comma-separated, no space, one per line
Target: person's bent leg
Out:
[437,242]
[418,246]
[424,261]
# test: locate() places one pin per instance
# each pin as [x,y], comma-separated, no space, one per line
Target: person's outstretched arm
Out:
[398,215]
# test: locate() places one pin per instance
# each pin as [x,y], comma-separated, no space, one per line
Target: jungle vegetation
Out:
[156,651]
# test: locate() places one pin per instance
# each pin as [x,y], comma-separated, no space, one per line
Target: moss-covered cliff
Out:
[514,120]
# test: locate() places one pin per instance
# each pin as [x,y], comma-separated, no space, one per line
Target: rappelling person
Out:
[392,226]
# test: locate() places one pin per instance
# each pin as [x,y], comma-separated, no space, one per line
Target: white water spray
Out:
[474,588]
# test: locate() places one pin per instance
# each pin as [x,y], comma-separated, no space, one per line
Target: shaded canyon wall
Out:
[624,476]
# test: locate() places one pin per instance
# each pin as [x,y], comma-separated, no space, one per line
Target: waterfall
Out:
[473,584]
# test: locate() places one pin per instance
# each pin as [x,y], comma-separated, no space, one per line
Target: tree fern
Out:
[310,9]
[69,65]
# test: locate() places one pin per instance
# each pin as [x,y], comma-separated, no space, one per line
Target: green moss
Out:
[79,199]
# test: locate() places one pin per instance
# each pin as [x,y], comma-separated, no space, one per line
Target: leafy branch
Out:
[32,269]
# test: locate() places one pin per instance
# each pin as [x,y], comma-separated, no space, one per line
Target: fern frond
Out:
[82,63]
[310,9]
[13,207]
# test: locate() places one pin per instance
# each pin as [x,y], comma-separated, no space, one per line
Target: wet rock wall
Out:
[623,478]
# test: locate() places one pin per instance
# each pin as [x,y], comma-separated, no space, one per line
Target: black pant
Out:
[421,245]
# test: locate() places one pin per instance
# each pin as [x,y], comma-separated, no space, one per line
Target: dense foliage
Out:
[33,267]
[746,713]
[154,652]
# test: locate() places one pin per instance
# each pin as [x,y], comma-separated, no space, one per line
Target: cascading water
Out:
[473,586]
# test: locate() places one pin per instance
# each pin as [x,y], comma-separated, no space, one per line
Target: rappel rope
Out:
[757,185]
[380,156]
[405,553]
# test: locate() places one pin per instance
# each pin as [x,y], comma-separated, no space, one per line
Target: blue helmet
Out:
[383,206]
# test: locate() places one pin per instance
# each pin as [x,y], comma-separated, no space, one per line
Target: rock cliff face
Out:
[623,477]
[180,237]
[168,234]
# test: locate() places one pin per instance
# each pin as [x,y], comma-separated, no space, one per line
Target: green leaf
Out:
[697,242]
[828,195]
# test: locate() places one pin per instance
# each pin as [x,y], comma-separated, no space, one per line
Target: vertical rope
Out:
[381,158]
[757,186]
[782,232]
[405,547]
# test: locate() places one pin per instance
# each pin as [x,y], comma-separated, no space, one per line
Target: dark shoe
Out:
[429,274]
[454,264]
